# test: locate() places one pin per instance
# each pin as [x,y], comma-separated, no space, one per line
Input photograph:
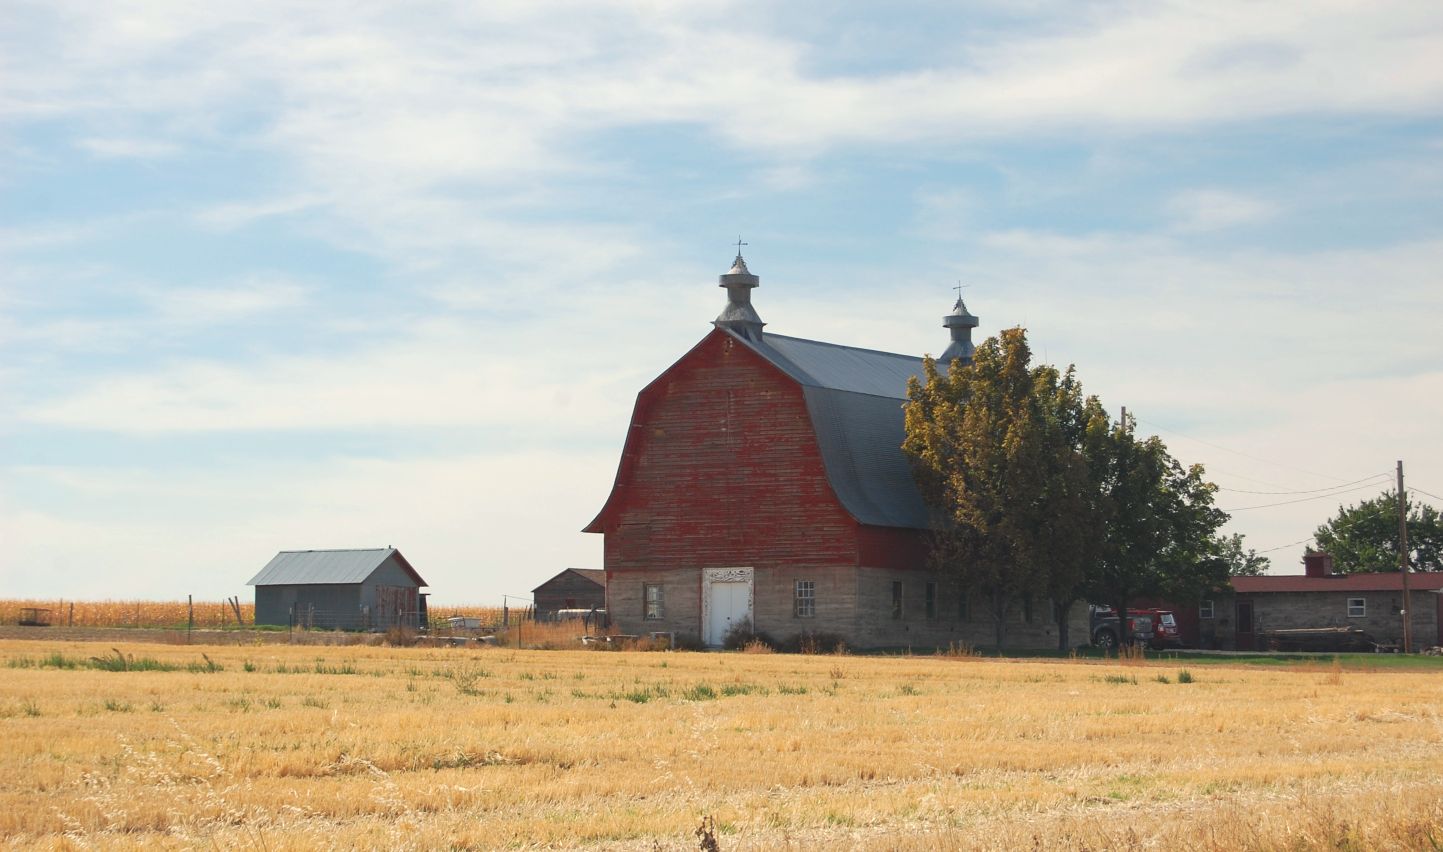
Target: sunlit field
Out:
[289,747]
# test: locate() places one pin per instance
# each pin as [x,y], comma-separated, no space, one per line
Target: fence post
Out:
[72,614]
[190,617]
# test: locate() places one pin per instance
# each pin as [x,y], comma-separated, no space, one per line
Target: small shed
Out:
[574,588]
[340,590]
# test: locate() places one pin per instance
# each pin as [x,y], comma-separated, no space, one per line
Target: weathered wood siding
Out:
[319,605]
[722,469]
[569,590]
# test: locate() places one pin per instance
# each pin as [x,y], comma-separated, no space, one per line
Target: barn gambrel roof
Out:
[314,567]
[855,397]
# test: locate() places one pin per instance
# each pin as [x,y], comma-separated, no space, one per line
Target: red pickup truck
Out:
[1156,628]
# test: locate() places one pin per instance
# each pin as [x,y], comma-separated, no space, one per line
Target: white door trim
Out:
[724,575]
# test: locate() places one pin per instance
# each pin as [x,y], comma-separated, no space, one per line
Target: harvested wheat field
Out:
[281,747]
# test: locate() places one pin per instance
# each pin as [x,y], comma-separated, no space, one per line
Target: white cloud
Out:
[1214,209]
[238,214]
[200,306]
[129,148]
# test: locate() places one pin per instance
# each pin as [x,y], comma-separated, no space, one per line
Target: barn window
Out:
[1357,608]
[897,599]
[804,598]
[931,599]
[964,608]
[1027,608]
[653,601]
[1205,609]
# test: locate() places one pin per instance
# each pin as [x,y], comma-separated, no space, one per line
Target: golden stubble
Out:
[304,746]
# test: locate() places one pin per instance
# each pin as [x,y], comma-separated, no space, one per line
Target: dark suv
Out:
[1156,628]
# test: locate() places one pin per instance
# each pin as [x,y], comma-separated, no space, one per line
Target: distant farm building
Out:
[574,588]
[1259,612]
[340,589]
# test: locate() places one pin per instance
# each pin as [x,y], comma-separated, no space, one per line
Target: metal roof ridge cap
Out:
[338,550]
[845,346]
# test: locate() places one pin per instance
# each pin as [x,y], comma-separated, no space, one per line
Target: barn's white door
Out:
[731,602]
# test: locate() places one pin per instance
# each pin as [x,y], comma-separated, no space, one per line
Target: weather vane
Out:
[959,287]
[739,246]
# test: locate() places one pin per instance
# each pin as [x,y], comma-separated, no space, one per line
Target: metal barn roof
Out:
[854,397]
[311,567]
[835,367]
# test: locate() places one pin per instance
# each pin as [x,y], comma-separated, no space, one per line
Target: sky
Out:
[280,276]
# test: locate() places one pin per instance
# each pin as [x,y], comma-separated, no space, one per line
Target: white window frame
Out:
[1205,610]
[653,607]
[1357,607]
[804,598]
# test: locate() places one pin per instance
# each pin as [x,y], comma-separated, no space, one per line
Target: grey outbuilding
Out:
[340,590]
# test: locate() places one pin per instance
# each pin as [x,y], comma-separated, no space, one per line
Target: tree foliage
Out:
[995,450]
[1241,561]
[1364,538]
[1036,492]
[1161,533]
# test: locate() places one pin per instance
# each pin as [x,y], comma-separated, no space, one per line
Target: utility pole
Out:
[1403,560]
[1123,420]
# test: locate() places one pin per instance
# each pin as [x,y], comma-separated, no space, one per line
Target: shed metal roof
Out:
[595,575]
[854,397]
[311,567]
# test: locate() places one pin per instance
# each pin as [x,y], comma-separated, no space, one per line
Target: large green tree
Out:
[1161,535]
[995,448]
[1364,538]
[1036,492]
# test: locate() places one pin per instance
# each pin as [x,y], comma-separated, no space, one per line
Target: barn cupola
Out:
[739,316]
[960,322]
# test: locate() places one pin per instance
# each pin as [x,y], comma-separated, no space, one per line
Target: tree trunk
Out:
[999,618]
[1124,636]
[1061,612]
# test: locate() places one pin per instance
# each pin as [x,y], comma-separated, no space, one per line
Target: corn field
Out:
[171,615]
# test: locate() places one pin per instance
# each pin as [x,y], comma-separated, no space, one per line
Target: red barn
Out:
[763,480]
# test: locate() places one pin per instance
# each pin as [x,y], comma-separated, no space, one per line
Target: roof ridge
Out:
[769,334]
[338,550]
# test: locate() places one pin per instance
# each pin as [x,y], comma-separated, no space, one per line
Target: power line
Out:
[1377,510]
[1289,544]
[1300,500]
[1234,452]
[1421,491]
[1311,491]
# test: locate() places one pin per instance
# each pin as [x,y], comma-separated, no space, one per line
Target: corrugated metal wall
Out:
[315,606]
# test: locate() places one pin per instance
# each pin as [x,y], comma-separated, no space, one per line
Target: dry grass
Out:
[283,747]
